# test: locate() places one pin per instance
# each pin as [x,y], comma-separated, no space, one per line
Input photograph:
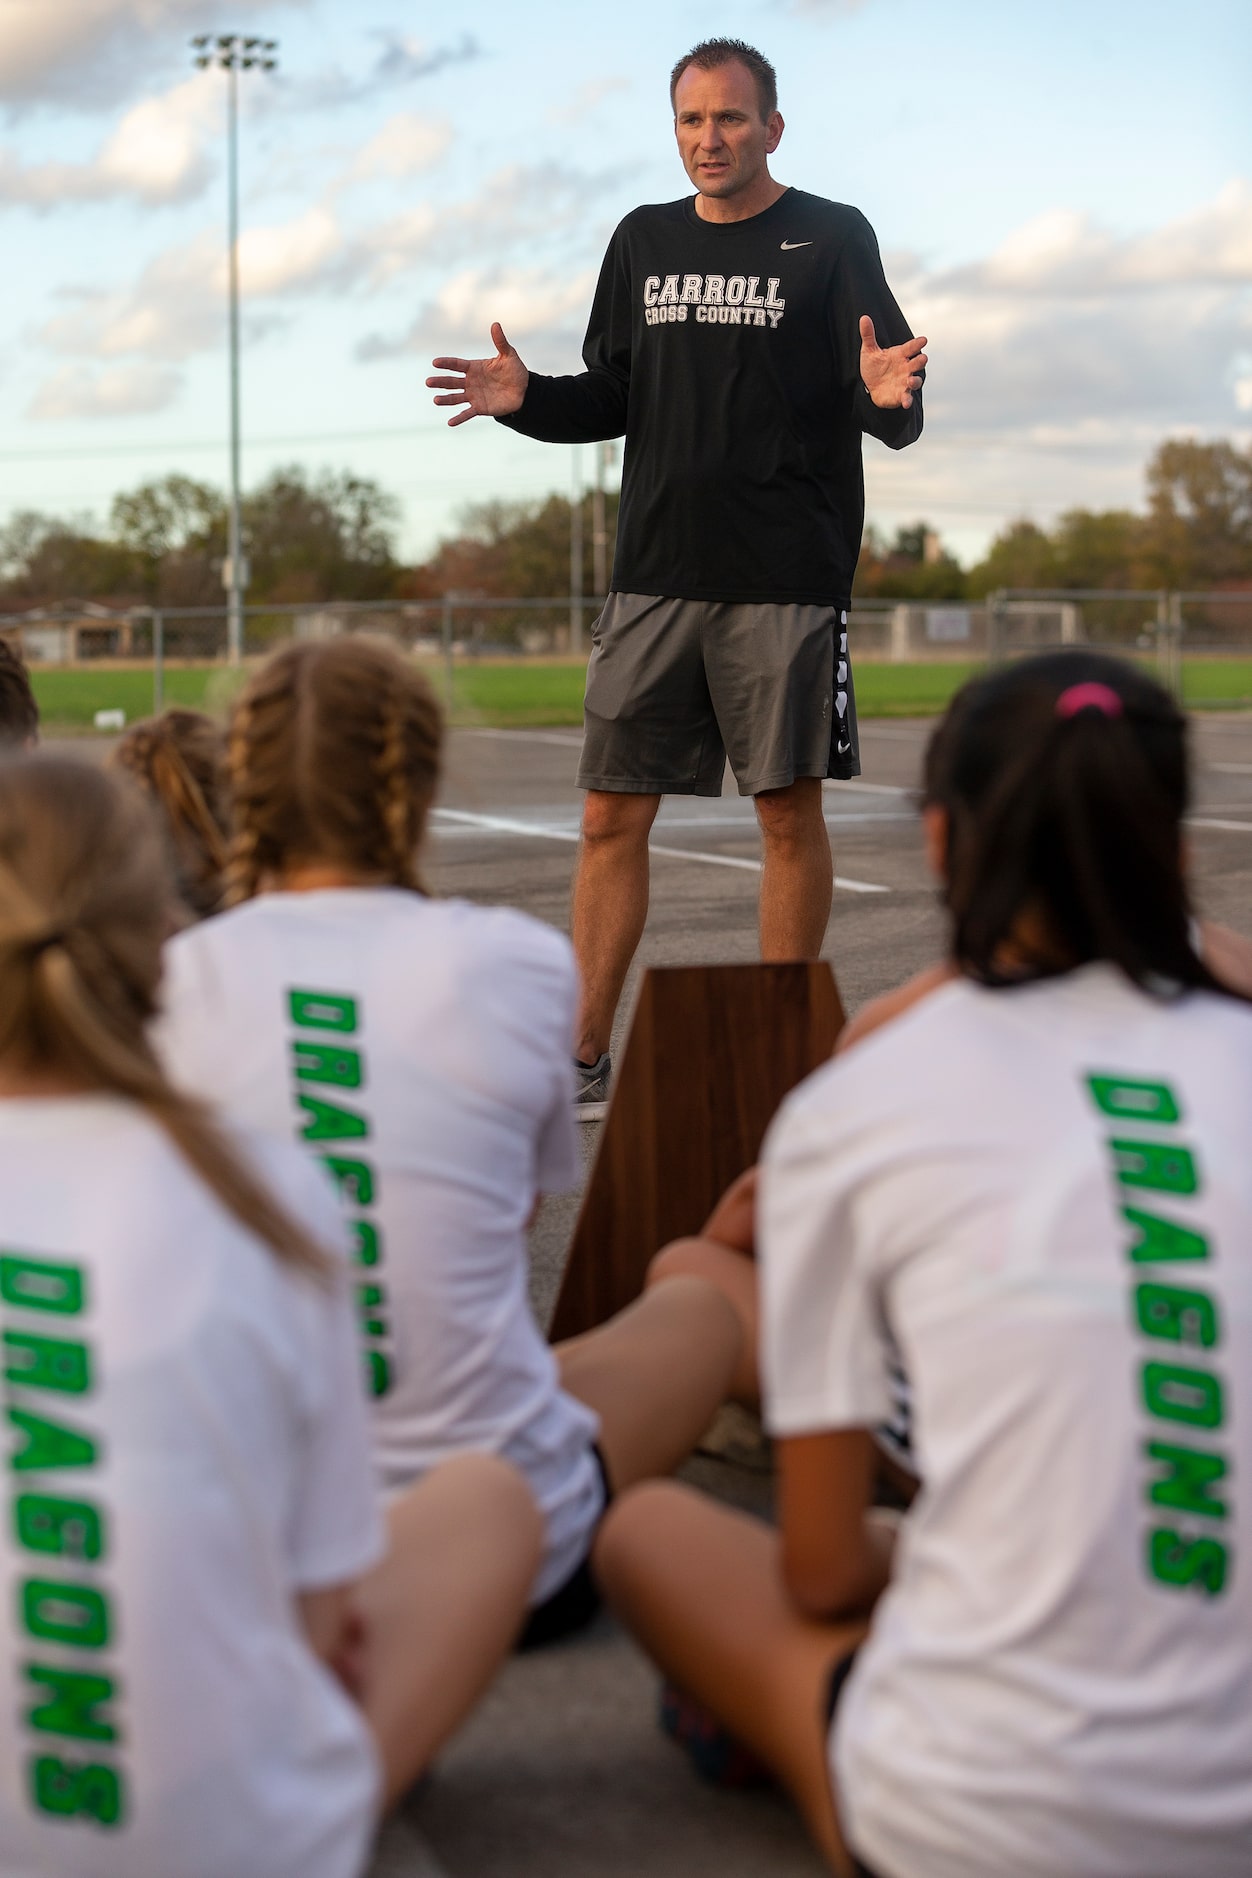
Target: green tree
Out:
[45,561]
[1200,513]
[324,537]
[175,529]
[1020,556]
[916,566]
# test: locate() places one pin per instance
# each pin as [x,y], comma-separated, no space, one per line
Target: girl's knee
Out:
[680,1258]
[633,1527]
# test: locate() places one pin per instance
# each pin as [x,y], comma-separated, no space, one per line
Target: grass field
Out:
[521,692]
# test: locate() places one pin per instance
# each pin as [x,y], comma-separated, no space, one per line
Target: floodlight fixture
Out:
[232,53]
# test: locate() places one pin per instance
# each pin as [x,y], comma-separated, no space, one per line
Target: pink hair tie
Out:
[1089,697]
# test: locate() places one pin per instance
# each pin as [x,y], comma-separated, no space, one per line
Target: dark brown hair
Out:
[712,53]
[179,758]
[1073,819]
[83,910]
[19,714]
[334,756]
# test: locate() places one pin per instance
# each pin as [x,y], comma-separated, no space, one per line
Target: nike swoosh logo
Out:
[795,244]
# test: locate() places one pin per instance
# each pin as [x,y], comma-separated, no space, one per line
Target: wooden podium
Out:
[711,1053]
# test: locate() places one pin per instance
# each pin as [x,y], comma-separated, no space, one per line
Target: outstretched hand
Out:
[890,374]
[490,387]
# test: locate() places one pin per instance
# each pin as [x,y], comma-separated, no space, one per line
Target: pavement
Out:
[562,1772]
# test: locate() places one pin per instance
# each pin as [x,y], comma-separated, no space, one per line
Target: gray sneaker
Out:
[591,1098]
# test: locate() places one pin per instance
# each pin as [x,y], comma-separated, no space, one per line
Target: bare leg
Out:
[798,875]
[656,1374]
[610,906]
[701,1588]
[734,1275]
[442,1611]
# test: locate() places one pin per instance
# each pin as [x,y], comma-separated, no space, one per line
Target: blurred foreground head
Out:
[1055,790]
[85,903]
[19,714]
[179,758]
[334,758]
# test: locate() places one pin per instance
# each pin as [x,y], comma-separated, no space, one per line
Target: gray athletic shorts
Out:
[674,687]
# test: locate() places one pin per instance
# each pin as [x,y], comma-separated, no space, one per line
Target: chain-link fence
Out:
[1200,644]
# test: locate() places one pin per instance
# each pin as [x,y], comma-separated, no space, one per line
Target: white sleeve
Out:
[526,989]
[825,1353]
[336,1530]
[184,1032]
[558,1165]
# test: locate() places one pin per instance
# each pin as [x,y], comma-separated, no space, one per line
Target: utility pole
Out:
[576,550]
[232,54]
[599,533]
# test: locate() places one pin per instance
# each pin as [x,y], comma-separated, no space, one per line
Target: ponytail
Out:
[1065,782]
[83,908]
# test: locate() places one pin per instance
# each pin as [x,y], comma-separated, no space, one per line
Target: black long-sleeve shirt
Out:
[728,354]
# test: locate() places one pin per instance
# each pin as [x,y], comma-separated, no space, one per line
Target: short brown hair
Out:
[711,53]
[19,714]
[333,756]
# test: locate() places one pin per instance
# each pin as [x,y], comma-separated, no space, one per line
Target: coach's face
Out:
[724,142]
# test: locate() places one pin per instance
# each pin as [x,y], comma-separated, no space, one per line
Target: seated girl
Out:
[207,1665]
[1032,1181]
[178,758]
[421,1049]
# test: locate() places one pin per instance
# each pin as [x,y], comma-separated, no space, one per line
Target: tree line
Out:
[334,535]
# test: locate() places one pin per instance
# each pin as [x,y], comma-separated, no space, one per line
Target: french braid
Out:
[333,758]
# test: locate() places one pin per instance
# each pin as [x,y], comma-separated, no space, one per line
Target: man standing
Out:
[735,340]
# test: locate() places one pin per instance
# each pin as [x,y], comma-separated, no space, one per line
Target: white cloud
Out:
[157,154]
[590,94]
[529,302]
[77,391]
[287,256]
[177,306]
[1060,361]
[1064,253]
[406,145]
[95,52]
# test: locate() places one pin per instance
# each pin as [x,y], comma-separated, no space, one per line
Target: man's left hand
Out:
[890,374]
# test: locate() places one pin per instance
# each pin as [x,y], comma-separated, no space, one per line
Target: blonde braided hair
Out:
[179,759]
[84,907]
[333,757]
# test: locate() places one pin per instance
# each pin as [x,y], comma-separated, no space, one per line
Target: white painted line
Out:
[872,789]
[572,741]
[505,825]
[1230,769]
[1210,821]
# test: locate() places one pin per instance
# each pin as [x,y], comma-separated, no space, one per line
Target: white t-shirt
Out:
[423,1049]
[188,1450]
[1059,1677]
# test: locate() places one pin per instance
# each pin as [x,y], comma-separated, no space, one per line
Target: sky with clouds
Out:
[1062,194]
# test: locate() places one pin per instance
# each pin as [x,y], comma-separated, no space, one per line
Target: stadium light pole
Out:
[232,53]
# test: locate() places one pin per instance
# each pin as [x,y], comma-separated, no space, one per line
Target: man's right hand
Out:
[490,387]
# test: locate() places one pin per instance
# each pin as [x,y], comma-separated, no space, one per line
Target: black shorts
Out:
[834,1689]
[674,687]
[571,1607]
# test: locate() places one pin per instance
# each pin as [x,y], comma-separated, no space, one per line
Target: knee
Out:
[793,814]
[493,1500]
[682,1258]
[630,1530]
[609,819]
